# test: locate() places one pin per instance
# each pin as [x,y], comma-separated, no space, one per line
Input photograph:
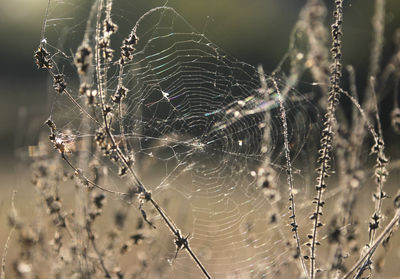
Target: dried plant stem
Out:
[87,181]
[353,92]
[380,176]
[327,132]
[183,241]
[368,124]
[380,172]
[289,172]
[376,51]
[378,25]
[5,250]
[388,229]
[380,167]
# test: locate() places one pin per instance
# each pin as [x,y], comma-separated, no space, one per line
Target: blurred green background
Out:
[255,31]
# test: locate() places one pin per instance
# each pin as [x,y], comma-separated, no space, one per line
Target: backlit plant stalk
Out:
[327,132]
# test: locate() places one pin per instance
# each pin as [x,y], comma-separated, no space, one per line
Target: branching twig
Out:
[378,241]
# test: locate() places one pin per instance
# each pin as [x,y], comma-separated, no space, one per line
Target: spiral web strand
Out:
[193,120]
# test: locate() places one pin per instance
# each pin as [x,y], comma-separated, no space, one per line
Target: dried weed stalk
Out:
[328,130]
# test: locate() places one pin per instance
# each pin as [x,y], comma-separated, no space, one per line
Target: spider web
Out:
[193,120]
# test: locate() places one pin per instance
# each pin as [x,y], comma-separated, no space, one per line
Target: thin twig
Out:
[86,180]
[289,172]
[372,248]
[380,176]
[5,250]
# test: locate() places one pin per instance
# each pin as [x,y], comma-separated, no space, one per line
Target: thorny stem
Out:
[381,161]
[380,171]
[370,104]
[141,188]
[380,176]
[102,102]
[327,132]
[378,241]
[171,225]
[289,172]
